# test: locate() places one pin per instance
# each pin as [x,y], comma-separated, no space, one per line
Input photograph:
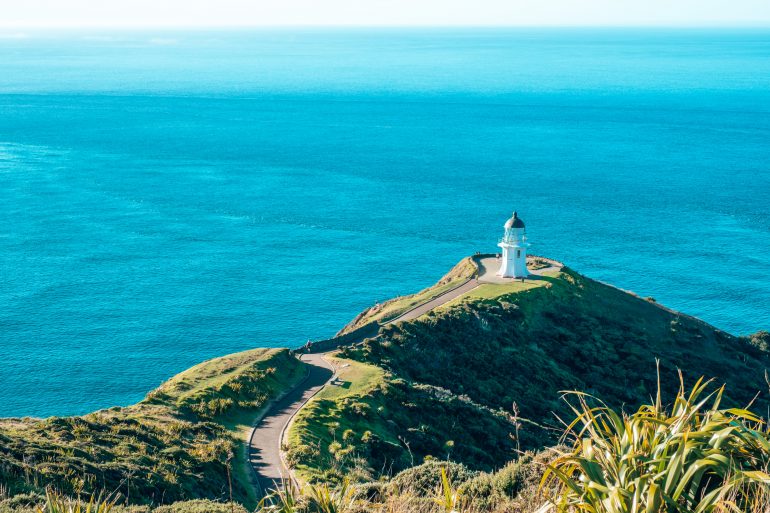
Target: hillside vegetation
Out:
[388,310]
[372,424]
[683,454]
[460,410]
[181,442]
[479,379]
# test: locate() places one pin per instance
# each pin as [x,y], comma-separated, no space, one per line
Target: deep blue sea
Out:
[168,197]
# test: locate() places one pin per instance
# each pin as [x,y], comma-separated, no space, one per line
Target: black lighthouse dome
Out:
[514,222]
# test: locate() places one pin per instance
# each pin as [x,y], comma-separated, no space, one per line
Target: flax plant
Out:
[692,458]
[285,499]
[56,503]
[316,498]
[323,499]
[448,497]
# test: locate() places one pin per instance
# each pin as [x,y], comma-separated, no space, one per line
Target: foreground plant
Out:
[314,499]
[449,498]
[283,500]
[695,458]
[323,499]
[56,503]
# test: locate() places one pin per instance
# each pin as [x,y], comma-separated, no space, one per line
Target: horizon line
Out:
[765,24]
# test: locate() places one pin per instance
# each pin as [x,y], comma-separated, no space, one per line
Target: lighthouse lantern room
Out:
[514,244]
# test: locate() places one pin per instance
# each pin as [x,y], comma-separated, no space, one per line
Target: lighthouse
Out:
[514,244]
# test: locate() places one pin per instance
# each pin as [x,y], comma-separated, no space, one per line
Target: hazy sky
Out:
[19,13]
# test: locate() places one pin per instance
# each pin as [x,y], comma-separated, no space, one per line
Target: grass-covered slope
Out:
[383,312]
[179,443]
[362,430]
[575,333]
[481,377]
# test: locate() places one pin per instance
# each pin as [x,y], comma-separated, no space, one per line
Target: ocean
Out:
[172,196]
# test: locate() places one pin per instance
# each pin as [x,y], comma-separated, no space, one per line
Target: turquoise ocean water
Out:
[167,197]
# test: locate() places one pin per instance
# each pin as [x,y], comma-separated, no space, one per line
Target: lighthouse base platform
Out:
[489,265]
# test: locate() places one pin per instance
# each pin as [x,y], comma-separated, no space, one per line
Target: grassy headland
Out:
[480,378]
[473,387]
[181,442]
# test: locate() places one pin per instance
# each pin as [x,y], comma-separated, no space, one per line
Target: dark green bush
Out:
[517,482]
[425,479]
[301,453]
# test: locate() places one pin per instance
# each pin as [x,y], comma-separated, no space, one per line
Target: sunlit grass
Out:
[487,291]
[320,422]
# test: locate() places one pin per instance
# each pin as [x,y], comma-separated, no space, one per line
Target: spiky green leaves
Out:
[692,458]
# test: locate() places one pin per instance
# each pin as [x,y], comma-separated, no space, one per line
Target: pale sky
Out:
[217,13]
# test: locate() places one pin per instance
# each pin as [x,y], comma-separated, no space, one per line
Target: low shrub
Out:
[22,501]
[424,480]
[201,506]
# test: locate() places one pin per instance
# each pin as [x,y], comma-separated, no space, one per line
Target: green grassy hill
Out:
[179,443]
[476,381]
[479,379]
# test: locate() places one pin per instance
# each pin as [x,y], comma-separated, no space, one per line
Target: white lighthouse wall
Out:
[518,258]
[514,257]
[506,268]
[513,262]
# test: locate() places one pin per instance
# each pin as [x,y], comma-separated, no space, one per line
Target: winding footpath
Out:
[264,444]
[264,449]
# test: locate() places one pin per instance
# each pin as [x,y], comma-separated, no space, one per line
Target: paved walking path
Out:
[265,441]
[436,302]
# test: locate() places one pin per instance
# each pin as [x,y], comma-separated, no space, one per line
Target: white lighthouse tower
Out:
[514,244]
